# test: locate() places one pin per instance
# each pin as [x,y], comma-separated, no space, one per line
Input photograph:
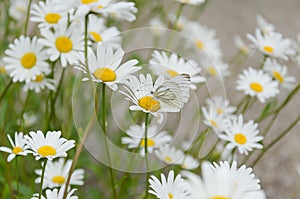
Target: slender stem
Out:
[27,17]
[247,105]
[281,135]
[106,142]
[86,21]
[23,111]
[5,90]
[263,62]
[42,177]
[178,13]
[146,154]
[17,177]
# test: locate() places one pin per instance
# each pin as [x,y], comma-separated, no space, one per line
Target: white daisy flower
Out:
[18,147]
[50,146]
[173,65]
[181,22]
[296,47]
[215,68]
[191,2]
[29,119]
[224,181]
[64,43]
[279,73]
[136,140]
[82,7]
[47,14]
[25,59]
[205,39]
[220,105]
[189,163]
[244,136]
[258,84]
[18,9]
[56,174]
[40,83]
[105,66]
[273,44]
[100,34]
[169,188]
[265,27]
[160,96]
[170,155]
[243,48]
[213,119]
[56,194]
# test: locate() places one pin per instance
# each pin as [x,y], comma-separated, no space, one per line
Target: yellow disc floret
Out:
[28,60]
[64,44]
[149,104]
[240,138]
[257,87]
[105,74]
[46,151]
[52,18]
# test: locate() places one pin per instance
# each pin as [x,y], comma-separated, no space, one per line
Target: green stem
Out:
[281,135]
[146,154]
[42,178]
[5,90]
[27,17]
[23,111]
[86,21]
[17,178]
[263,62]
[178,13]
[247,105]
[106,142]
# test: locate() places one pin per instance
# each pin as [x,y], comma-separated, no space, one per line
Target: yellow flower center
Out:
[88,1]
[101,6]
[240,138]
[278,76]
[219,111]
[200,44]
[96,36]
[268,49]
[168,159]
[2,70]
[16,150]
[150,142]
[244,50]
[219,197]
[39,78]
[52,18]
[58,179]
[212,70]
[170,196]
[257,87]
[46,150]
[149,104]
[172,73]
[105,74]
[213,123]
[63,44]
[28,60]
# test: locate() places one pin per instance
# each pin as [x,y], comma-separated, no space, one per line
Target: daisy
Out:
[100,34]
[224,181]
[220,105]
[136,140]
[189,163]
[64,43]
[215,68]
[173,65]
[56,174]
[18,147]
[242,46]
[105,66]
[29,119]
[160,96]
[56,194]
[47,14]
[40,83]
[265,27]
[258,84]
[273,44]
[191,2]
[213,120]
[205,39]
[82,7]
[169,188]
[181,22]
[50,146]
[244,136]
[279,73]
[170,155]
[296,47]
[18,9]
[25,59]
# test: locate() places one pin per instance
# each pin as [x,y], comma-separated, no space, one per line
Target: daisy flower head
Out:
[18,147]
[213,120]
[155,138]
[40,83]
[17,9]
[273,44]
[173,65]
[279,73]
[214,68]
[24,59]
[242,135]
[257,83]
[242,47]
[56,174]
[47,14]
[49,146]
[189,163]
[220,105]
[82,7]
[264,26]
[169,187]
[64,43]
[56,194]
[191,2]
[223,181]
[100,34]
[170,155]
[156,97]
[104,66]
